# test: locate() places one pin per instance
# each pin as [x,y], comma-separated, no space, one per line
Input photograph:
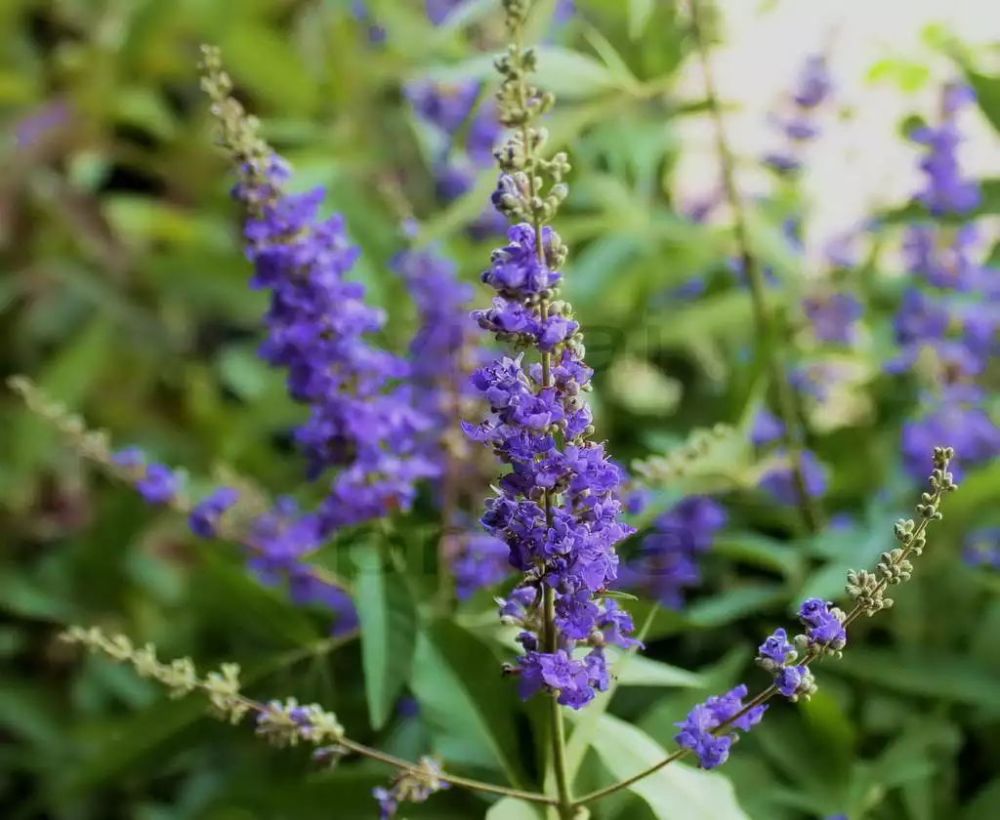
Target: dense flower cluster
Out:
[444,347]
[443,352]
[317,324]
[947,328]
[700,730]
[361,423]
[798,124]
[669,559]
[558,509]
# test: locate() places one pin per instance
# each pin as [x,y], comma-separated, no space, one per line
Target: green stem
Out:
[766,322]
[557,732]
[557,729]
[765,695]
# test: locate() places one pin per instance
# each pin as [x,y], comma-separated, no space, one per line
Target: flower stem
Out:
[766,322]
[930,502]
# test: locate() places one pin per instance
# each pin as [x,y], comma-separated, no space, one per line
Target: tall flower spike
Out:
[361,423]
[558,507]
[947,327]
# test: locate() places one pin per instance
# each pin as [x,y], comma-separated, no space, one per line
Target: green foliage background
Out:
[123,292]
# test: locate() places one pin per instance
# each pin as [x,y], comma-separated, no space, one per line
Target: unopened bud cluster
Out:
[894,566]
[180,677]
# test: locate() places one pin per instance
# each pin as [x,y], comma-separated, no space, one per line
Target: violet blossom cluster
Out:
[442,354]
[362,427]
[948,318]
[558,507]
[778,481]
[798,124]
[704,730]
[670,555]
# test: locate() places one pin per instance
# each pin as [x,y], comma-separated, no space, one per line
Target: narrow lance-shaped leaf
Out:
[388,633]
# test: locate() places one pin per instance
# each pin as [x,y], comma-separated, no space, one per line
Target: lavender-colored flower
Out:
[945,259]
[204,518]
[814,82]
[388,805]
[438,10]
[982,548]
[699,730]
[129,458]
[306,588]
[798,124]
[576,681]
[360,422]
[776,649]
[363,14]
[446,331]
[833,317]
[794,681]
[444,105]
[669,561]
[946,191]
[481,562]
[969,428]
[767,428]
[159,485]
[824,624]
[920,319]
[41,122]
[779,481]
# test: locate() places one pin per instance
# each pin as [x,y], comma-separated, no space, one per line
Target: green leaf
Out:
[675,792]
[388,633]
[510,808]
[948,677]
[734,603]
[639,12]
[643,671]
[468,706]
[571,75]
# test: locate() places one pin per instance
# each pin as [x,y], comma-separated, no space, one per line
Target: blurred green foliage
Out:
[123,292]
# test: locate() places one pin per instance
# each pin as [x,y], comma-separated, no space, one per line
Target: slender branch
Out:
[914,542]
[95,447]
[766,322]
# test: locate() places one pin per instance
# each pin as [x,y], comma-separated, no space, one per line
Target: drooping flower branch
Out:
[284,723]
[706,731]
[243,516]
